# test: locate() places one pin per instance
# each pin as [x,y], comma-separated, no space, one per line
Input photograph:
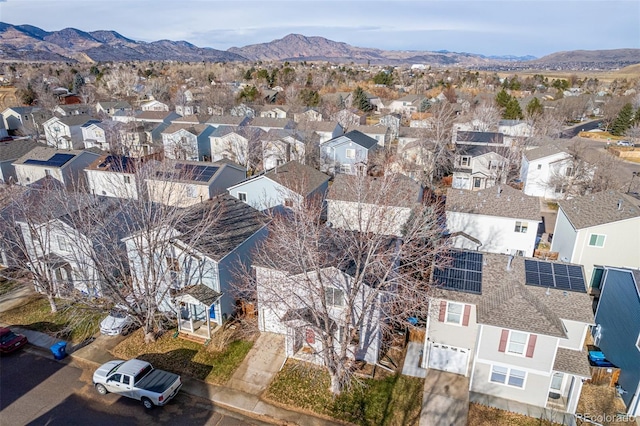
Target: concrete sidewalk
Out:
[446,399]
[97,353]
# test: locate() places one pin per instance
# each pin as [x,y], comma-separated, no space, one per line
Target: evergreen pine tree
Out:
[503,98]
[512,111]
[636,118]
[360,100]
[534,108]
[623,121]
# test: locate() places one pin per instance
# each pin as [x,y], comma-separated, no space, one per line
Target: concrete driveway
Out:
[445,401]
[261,364]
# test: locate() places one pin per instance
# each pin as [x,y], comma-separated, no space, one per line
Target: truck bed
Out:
[157,381]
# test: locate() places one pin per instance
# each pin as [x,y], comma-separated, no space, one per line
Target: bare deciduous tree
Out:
[347,286]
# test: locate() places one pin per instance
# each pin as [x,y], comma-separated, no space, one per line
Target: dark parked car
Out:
[10,341]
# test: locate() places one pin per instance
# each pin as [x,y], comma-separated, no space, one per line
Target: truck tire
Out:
[147,403]
[101,389]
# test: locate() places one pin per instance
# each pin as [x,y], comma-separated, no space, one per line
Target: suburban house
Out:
[381,205]
[99,134]
[154,105]
[10,151]
[66,132]
[274,111]
[287,302]
[198,265]
[140,139]
[65,166]
[515,327]
[617,330]
[68,110]
[380,133]
[478,167]
[545,171]
[267,123]
[347,153]
[286,185]
[184,183]
[192,119]
[392,122]
[325,130]
[481,138]
[113,107]
[349,118]
[24,119]
[280,146]
[238,144]
[515,128]
[407,105]
[496,220]
[308,114]
[187,142]
[113,176]
[598,229]
[228,121]
[147,117]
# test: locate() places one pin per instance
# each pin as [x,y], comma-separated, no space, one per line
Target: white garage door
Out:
[448,358]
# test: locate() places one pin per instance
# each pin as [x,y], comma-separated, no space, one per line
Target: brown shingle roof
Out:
[572,362]
[502,201]
[298,177]
[394,190]
[194,129]
[507,302]
[600,208]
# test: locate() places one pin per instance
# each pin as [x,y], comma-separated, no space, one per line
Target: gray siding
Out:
[262,193]
[618,315]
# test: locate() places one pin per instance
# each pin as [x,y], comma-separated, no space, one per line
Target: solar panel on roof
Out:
[464,273]
[556,275]
[57,160]
[198,173]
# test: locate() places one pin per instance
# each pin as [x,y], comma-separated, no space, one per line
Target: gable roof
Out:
[235,222]
[270,122]
[600,208]
[477,150]
[15,149]
[229,120]
[358,138]
[194,129]
[40,155]
[77,120]
[502,201]
[297,177]
[543,152]
[479,137]
[377,129]
[393,190]
[114,163]
[193,119]
[507,302]
[198,172]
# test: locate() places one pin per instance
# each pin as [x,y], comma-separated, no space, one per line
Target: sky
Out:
[502,27]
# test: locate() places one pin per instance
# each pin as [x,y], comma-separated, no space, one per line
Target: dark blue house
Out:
[617,330]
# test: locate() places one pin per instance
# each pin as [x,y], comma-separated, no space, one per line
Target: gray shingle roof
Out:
[234,223]
[45,153]
[480,137]
[17,148]
[502,201]
[396,190]
[298,177]
[542,152]
[507,302]
[360,139]
[600,208]
[203,294]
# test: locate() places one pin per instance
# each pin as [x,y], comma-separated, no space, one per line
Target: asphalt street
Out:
[35,391]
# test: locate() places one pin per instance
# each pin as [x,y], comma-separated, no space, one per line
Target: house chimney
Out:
[620,204]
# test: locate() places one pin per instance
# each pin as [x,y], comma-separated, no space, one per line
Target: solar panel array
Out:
[197,172]
[464,273]
[58,160]
[556,275]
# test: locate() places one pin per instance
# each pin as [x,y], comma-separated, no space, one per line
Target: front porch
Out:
[198,312]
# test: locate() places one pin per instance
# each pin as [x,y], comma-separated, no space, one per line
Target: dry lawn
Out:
[481,415]
[602,404]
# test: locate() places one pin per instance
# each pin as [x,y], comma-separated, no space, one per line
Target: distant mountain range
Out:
[28,43]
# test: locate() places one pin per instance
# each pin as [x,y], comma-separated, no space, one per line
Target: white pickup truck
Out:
[137,379]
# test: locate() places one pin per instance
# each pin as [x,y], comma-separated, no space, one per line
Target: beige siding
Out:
[535,391]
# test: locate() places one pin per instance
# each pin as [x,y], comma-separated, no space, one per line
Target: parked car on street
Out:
[137,379]
[117,322]
[624,143]
[10,341]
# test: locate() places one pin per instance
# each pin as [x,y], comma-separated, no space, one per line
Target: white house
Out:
[280,146]
[407,105]
[113,176]
[286,185]
[598,229]
[325,130]
[63,165]
[478,167]
[496,220]
[154,105]
[66,132]
[187,142]
[348,153]
[380,205]
[111,108]
[544,170]
[515,327]
[274,111]
[238,144]
[10,151]
[287,302]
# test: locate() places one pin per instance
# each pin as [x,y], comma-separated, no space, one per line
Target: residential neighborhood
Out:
[302,237]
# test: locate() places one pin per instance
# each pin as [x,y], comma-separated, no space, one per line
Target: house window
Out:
[556,381]
[351,153]
[242,196]
[345,168]
[477,182]
[465,160]
[539,166]
[334,297]
[127,179]
[596,240]
[454,313]
[517,343]
[560,188]
[508,376]
[62,244]
[569,172]
[521,227]
[192,192]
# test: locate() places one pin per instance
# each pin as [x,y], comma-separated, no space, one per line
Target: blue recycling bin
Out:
[59,350]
